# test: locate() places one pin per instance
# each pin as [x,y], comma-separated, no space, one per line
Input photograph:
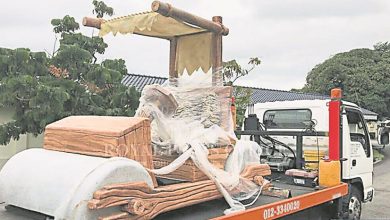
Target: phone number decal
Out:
[281,209]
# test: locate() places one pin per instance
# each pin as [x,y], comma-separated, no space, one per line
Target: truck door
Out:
[359,163]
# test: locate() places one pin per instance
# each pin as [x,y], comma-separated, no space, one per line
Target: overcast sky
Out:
[289,36]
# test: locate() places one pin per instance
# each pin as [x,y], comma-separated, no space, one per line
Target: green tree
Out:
[233,71]
[44,89]
[364,75]
[93,44]
[243,97]
[65,25]
[101,9]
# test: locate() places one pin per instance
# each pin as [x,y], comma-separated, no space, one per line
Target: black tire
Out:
[352,205]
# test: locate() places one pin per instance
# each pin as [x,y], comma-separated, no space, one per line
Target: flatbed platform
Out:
[262,208]
[215,208]
[266,207]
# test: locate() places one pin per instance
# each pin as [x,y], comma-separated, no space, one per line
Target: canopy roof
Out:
[193,50]
[149,24]
[195,42]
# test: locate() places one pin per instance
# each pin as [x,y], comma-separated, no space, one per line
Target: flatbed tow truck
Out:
[342,200]
[344,178]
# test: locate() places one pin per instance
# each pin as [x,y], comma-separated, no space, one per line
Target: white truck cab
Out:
[356,149]
[357,166]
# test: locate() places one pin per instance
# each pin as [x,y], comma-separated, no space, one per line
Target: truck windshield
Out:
[287,119]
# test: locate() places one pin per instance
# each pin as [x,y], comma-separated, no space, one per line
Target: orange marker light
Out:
[336,93]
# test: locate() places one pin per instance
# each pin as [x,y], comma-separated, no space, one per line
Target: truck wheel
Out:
[352,206]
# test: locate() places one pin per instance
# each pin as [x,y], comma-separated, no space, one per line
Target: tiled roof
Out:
[140,81]
[260,95]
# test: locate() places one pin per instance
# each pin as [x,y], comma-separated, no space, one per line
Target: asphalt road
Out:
[380,207]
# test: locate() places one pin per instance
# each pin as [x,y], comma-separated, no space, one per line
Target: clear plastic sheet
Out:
[190,117]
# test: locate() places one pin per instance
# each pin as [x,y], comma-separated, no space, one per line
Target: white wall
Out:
[14,147]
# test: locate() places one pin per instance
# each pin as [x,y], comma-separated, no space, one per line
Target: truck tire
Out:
[352,205]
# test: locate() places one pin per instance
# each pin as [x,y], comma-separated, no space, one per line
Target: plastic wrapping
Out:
[190,117]
[189,107]
[244,154]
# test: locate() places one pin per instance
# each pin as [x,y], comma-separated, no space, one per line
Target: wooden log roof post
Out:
[92,22]
[216,51]
[215,26]
[173,74]
[167,10]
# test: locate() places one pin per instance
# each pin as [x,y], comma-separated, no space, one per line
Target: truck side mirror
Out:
[383,136]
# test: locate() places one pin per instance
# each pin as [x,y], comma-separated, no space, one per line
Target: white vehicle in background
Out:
[383,133]
[372,125]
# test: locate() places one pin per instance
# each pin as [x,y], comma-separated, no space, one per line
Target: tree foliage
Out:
[65,25]
[243,97]
[102,9]
[42,89]
[93,44]
[364,75]
[233,71]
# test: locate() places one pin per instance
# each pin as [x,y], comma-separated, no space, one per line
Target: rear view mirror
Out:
[383,135]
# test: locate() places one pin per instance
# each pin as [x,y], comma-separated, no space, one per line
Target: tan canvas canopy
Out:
[193,43]
[150,24]
[196,43]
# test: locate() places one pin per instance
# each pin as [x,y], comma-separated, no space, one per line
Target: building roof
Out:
[140,81]
[260,95]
